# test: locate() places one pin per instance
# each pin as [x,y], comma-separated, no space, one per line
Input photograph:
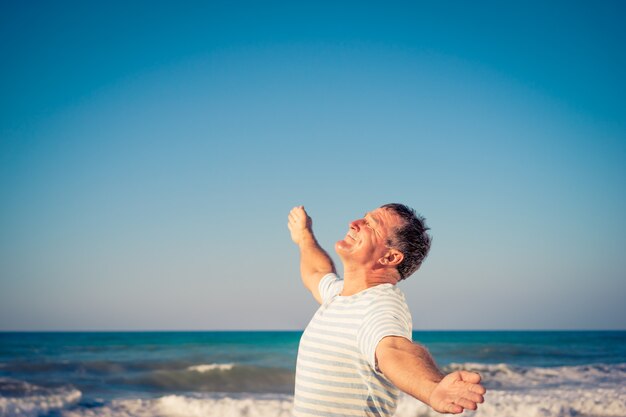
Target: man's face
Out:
[366,240]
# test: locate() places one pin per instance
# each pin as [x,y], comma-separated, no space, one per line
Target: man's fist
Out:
[300,225]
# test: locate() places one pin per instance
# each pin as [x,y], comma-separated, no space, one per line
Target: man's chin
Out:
[342,246]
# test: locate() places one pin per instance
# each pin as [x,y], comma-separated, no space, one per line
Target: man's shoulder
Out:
[329,286]
[391,290]
[386,294]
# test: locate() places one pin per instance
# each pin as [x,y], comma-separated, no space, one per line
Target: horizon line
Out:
[289,330]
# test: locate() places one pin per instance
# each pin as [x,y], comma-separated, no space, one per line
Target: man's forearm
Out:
[411,368]
[313,259]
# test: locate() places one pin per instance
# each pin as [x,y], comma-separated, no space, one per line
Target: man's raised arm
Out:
[411,368]
[314,261]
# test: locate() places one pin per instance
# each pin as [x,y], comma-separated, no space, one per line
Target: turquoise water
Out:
[92,370]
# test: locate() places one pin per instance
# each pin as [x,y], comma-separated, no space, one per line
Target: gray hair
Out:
[411,239]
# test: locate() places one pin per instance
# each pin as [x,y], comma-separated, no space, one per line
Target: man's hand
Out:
[457,391]
[300,225]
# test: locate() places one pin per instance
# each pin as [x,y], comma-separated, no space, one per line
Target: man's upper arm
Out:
[328,285]
[312,283]
[388,348]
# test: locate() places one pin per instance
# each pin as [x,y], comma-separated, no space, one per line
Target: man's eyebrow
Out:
[371,218]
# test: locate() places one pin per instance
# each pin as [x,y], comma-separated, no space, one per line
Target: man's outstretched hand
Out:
[300,225]
[456,392]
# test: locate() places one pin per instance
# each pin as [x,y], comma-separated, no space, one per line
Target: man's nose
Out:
[355,224]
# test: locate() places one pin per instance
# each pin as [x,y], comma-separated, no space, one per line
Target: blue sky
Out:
[150,153]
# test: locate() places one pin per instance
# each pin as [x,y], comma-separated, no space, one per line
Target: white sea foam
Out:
[574,391]
[517,377]
[498,403]
[211,367]
[600,402]
[185,406]
[32,400]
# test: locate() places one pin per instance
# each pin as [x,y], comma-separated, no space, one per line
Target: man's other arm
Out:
[314,261]
[411,368]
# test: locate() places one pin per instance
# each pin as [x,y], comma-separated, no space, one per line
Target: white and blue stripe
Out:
[336,371]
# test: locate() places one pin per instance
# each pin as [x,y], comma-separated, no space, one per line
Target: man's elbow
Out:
[397,351]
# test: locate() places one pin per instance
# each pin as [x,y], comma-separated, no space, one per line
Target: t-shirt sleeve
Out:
[388,316]
[330,285]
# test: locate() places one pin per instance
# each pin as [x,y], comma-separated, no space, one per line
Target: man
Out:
[357,352]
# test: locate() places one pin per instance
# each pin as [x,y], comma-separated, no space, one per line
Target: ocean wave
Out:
[95,367]
[21,399]
[505,376]
[190,406]
[228,378]
[536,403]
[570,391]
[556,402]
[211,367]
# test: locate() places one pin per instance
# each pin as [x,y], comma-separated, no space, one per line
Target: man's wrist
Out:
[307,239]
[430,387]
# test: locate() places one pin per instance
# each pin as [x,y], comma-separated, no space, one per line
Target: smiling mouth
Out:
[351,236]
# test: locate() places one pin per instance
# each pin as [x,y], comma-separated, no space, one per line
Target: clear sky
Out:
[151,151]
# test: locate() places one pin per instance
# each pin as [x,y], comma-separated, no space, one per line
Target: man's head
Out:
[392,238]
[410,239]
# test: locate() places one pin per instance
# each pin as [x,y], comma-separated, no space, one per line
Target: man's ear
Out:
[393,257]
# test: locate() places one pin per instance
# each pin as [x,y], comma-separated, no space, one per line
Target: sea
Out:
[251,374]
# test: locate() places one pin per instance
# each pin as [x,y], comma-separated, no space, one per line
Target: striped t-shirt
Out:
[336,373]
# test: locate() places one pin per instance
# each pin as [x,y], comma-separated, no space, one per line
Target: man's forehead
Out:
[382,214]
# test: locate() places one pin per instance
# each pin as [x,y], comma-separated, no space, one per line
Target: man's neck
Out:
[357,280]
